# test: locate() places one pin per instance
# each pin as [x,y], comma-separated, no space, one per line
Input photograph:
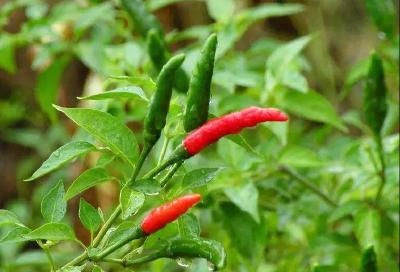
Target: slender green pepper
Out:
[159,104]
[368,260]
[157,49]
[186,247]
[199,89]
[141,17]
[375,95]
[159,54]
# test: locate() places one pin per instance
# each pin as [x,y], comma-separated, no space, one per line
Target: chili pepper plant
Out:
[195,149]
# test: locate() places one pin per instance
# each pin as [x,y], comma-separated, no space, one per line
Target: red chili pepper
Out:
[231,123]
[168,212]
[217,128]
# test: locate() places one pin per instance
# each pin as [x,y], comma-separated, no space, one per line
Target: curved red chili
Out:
[231,123]
[161,216]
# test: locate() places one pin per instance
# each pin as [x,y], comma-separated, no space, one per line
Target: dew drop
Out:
[183,262]
[210,266]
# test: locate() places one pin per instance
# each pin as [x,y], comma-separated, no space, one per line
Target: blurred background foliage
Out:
[287,197]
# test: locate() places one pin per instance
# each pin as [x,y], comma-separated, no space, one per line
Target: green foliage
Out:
[54,206]
[317,193]
[89,216]
[108,130]
[62,156]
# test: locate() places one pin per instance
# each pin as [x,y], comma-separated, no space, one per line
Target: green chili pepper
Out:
[375,95]
[199,89]
[368,260]
[156,49]
[141,17]
[159,54]
[191,248]
[159,105]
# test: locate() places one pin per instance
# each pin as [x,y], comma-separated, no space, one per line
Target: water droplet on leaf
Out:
[183,262]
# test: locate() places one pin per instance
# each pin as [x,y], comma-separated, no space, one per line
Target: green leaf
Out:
[311,105]
[281,57]
[62,156]
[15,235]
[356,73]
[234,29]
[89,216]
[7,52]
[189,225]
[383,13]
[86,180]
[92,16]
[52,232]
[143,81]
[295,81]
[48,83]
[279,129]
[53,205]
[246,198]
[298,156]
[148,186]
[97,269]
[221,10]
[129,92]
[348,208]
[367,227]
[121,232]
[194,179]
[108,129]
[153,5]
[242,228]
[240,140]
[7,217]
[263,11]
[131,201]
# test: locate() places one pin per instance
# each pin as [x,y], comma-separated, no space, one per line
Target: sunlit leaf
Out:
[89,216]
[48,84]
[131,201]
[54,205]
[129,92]
[246,198]
[108,129]
[52,231]
[62,156]
[86,180]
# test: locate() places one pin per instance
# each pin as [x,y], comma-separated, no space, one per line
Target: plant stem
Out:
[77,260]
[170,173]
[115,214]
[378,140]
[106,226]
[48,254]
[163,150]
[143,155]
[138,233]
[303,181]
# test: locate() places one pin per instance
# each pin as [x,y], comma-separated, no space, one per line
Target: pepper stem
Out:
[137,233]
[170,173]
[143,155]
[178,155]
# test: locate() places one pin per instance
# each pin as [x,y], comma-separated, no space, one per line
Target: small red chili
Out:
[168,212]
[231,123]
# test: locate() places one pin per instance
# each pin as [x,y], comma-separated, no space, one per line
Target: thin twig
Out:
[163,150]
[48,254]
[303,181]
[381,173]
